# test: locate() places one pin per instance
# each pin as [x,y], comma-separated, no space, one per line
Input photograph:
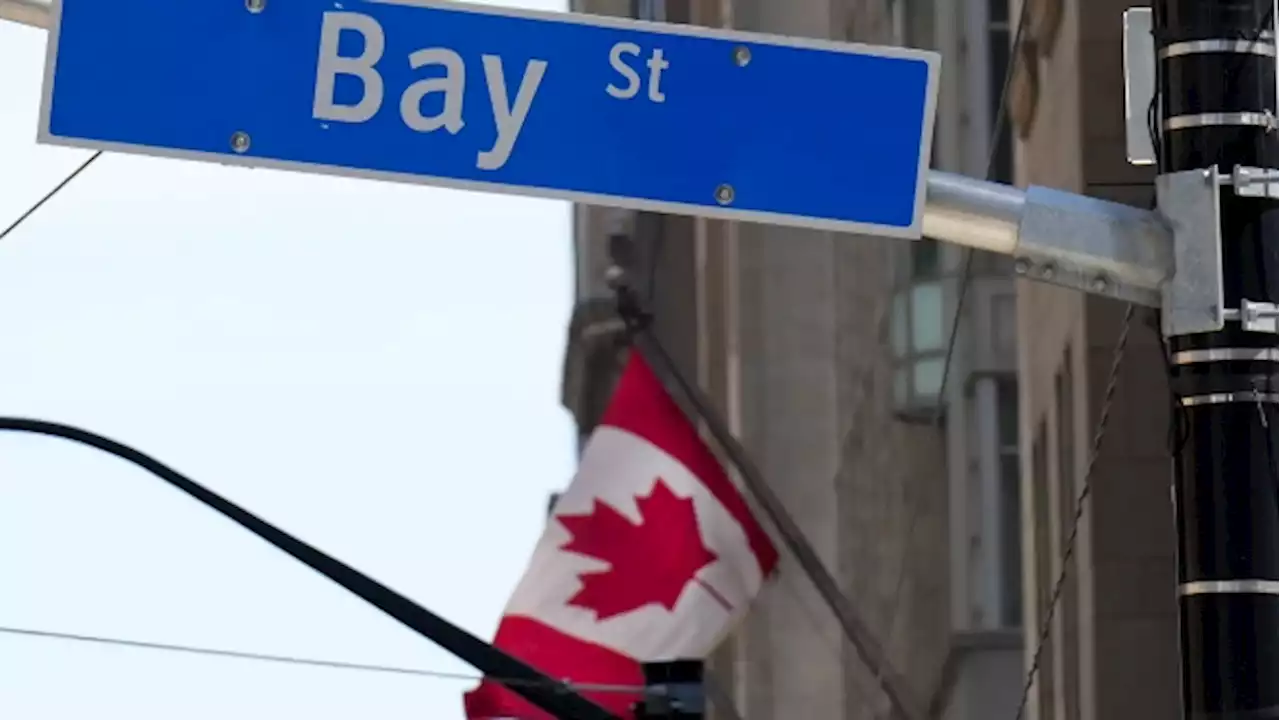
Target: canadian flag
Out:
[650,554]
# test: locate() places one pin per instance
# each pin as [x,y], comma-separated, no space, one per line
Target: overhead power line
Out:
[49,195]
[286,659]
[230,654]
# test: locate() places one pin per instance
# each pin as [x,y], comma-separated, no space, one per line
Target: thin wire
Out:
[915,509]
[232,654]
[1046,625]
[290,659]
[49,195]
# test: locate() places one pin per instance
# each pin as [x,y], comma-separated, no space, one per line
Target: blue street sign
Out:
[670,118]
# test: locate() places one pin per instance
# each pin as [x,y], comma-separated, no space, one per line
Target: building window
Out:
[912,22]
[919,330]
[1063,393]
[998,46]
[1010,488]
[655,10]
[1063,390]
[897,11]
[1044,562]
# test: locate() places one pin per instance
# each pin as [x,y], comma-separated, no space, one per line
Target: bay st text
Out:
[508,114]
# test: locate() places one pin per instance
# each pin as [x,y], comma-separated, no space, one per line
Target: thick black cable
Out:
[554,697]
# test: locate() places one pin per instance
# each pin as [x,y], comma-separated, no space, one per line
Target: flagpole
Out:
[694,402]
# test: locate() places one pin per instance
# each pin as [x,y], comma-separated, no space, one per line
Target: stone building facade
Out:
[941,514]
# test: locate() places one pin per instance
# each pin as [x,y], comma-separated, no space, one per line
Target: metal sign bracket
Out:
[1192,297]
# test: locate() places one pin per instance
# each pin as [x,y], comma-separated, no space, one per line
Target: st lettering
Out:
[622,57]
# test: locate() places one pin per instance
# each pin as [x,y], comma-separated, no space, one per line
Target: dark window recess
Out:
[1007,407]
[998,40]
[1044,563]
[1010,541]
[1010,485]
[925,258]
[998,11]
[1064,391]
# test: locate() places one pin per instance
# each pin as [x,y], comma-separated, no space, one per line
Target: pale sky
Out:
[373,367]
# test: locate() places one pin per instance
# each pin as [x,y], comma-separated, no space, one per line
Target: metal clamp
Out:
[1253,181]
[1229,587]
[1263,46]
[1254,316]
[1265,119]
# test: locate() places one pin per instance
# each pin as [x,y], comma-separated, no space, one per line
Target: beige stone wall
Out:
[1119,606]
[809,323]
[787,330]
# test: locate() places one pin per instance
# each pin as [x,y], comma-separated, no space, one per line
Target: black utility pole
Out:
[1216,66]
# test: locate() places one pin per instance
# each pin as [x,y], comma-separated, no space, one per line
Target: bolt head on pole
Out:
[724,194]
[240,142]
[255,6]
[615,277]
[741,55]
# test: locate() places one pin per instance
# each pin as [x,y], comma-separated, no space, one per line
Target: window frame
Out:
[1068,625]
[1011,613]
[910,402]
[1041,508]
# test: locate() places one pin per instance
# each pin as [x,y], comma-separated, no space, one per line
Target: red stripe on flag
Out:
[562,657]
[641,406]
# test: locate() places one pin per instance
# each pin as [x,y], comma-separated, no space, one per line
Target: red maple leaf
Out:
[651,562]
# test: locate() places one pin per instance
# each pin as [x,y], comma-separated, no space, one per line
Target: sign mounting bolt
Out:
[1048,271]
[255,6]
[1022,266]
[240,142]
[724,194]
[1099,284]
[741,55]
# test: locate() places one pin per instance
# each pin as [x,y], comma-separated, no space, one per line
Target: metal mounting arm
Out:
[1169,259]
[1092,245]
